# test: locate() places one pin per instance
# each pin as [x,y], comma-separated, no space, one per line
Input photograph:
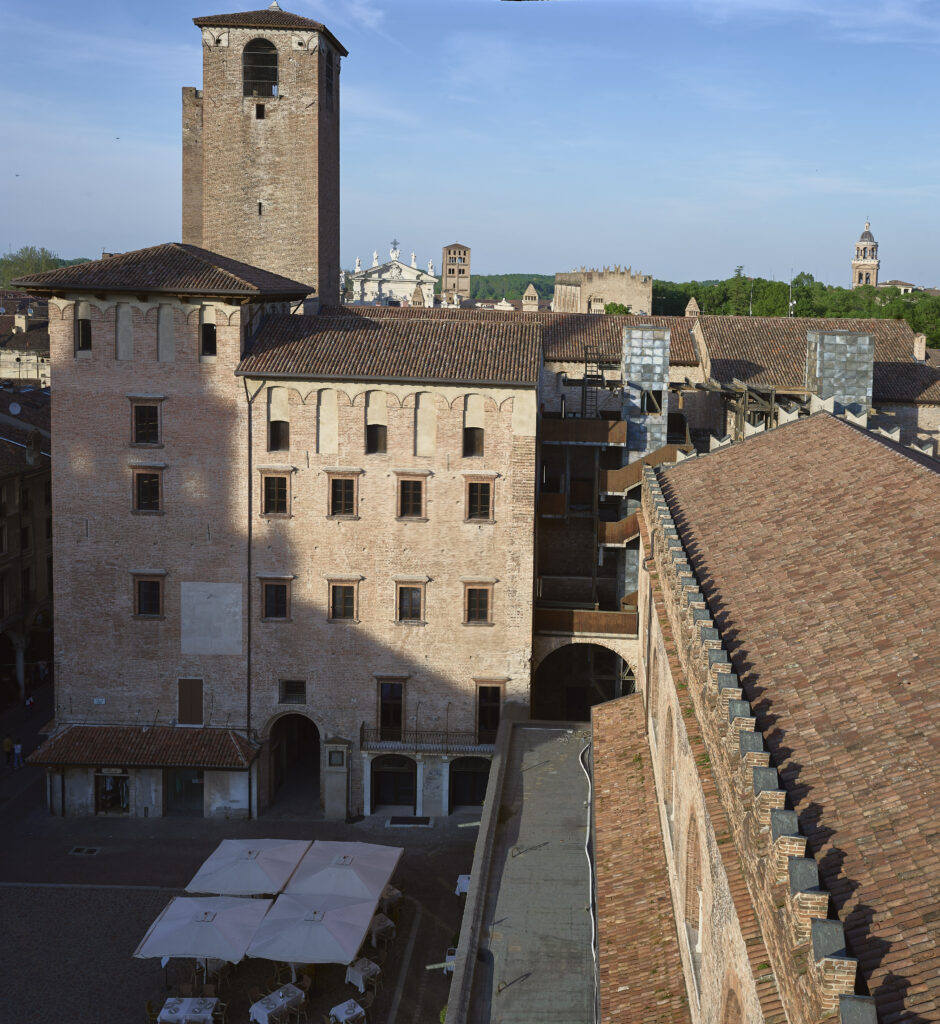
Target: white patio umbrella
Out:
[211,927]
[360,870]
[313,929]
[249,867]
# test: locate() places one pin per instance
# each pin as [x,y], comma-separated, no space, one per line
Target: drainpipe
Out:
[249,399]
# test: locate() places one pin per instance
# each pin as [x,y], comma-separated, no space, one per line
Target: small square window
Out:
[479,500]
[342,601]
[275,600]
[410,602]
[148,597]
[292,691]
[147,491]
[342,496]
[411,499]
[376,439]
[478,601]
[146,425]
[274,500]
[337,759]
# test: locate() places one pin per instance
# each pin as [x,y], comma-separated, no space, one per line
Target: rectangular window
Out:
[148,597]
[147,491]
[411,499]
[410,600]
[342,496]
[190,702]
[275,600]
[376,438]
[489,703]
[274,501]
[343,601]
[292,691]
[391,706]
[26,538]
[83,335]
[146,425]
[479,500]
[24,499]
[259,111]
[207,345]
[477,603]
[26,582]
[279,436]
[473,442]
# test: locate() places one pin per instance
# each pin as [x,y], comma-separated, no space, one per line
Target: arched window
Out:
[692,897]
[259,68]
[859,277]
[868,279]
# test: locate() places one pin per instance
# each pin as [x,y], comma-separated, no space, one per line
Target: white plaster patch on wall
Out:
[211,618]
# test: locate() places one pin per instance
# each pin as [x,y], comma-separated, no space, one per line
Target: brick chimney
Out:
[21,322]
[920,347]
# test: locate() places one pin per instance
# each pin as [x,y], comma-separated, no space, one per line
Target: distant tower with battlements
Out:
[866,263]
[261,145]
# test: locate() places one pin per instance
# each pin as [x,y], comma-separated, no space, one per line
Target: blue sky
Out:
[680,137]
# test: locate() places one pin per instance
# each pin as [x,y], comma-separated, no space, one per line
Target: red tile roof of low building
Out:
[171,268]
[771,351]
[815,546]
[416,349]
[268,18]
[146,747]
[639,964]
[566,337]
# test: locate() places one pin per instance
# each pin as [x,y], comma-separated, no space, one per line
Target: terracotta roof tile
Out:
[172,268]
[822,574]
[639,964]
[356,347]
[142,747]
[268,18]
[565,336]
[772,351]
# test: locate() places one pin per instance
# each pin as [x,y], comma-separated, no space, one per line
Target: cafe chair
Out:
[220,1013]
[208,991]
[305,984]
[151,1013]
[366,1002]
[186,990]
[299,1013]
[373,984]
[378,956]
[255,994]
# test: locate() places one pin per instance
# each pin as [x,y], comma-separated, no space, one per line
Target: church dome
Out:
[867,236]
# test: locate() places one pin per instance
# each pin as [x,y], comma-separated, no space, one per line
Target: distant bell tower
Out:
[866,263]
[261,145]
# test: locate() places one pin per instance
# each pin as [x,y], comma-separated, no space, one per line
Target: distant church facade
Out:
[393,283]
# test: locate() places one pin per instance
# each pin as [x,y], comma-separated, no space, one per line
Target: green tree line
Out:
[510,286]
[30,260]
[740,295]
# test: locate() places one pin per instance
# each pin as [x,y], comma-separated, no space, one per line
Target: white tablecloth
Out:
[271,1007]
[463,885]
[357,973]
[176,1010]
[348,1011]
[381,925]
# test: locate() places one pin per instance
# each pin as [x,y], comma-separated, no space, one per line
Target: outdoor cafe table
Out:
[176,1010]
[381,925]
[357,973]
[347,1012]
[272,1006]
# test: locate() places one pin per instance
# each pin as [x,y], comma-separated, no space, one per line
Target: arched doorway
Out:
[394,783]
[572,679]
[468,778]
[294,763]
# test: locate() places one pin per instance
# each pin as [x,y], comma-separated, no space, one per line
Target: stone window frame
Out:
[421,476]
[276,473]
[137,401]
[419,583]
[268,579]
[341,473]
[342,580]
[478,583]
[480,478]
[139,576]
[139,469]
[298,698]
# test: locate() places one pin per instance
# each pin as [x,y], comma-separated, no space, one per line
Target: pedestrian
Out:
[30,705]
[17,754]
[8,749]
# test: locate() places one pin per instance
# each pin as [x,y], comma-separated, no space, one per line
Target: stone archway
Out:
[294,765]
[574,677]
[468,779]
[394,783]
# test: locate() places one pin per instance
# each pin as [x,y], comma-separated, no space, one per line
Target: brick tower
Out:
[261,145]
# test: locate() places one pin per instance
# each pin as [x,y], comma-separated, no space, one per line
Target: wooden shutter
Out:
[190,702]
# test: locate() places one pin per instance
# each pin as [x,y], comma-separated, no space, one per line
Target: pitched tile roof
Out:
[822,574]
[565,336]
[143,747]
[172,268]
[772,351]
[268,18]
[906,382]
[640,968]
[357,347]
